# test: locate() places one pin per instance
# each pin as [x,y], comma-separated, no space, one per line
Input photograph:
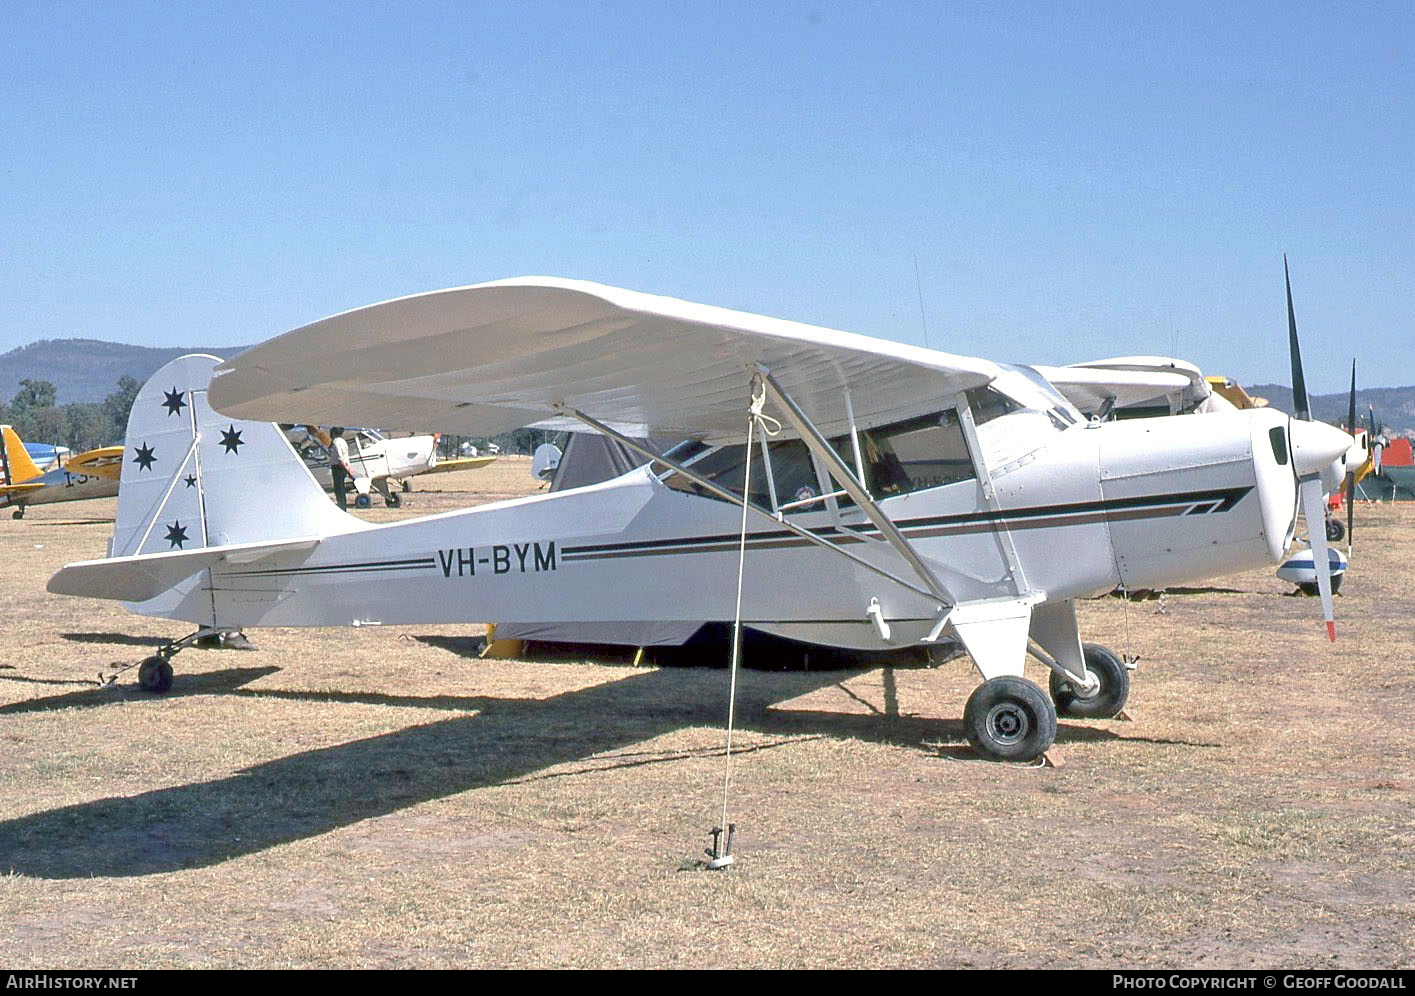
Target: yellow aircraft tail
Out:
[14,460]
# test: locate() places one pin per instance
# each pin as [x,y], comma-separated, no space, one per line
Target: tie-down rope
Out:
[771,427]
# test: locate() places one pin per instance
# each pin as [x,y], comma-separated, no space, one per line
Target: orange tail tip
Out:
[1331,631]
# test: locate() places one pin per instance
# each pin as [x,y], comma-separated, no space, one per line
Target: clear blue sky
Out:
[1075,179]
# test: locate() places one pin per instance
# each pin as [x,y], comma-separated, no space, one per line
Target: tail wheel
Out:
[1009,719]
[155,675]
[1107,699]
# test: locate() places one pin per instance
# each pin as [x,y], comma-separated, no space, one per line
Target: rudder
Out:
[15,459]
[192,478]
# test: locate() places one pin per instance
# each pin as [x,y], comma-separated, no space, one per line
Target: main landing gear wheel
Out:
[1106,700]
[393,499]
[1310,587]
[362,501]
[155,674]
[18,513]
[1336,531]
[1009,719]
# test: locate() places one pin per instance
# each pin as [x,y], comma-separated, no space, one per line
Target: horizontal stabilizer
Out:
[136,579]
[19,489]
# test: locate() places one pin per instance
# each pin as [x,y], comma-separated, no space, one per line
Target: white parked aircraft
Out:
[893,494]
[379,463]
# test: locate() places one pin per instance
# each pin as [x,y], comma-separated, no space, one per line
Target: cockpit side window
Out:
[912,455]
[987,404]
[794,474]
[900,458]
[726,468]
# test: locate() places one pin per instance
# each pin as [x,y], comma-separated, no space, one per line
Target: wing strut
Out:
[728,496]
[846,478]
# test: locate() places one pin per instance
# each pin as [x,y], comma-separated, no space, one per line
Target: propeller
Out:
[1315,446]
[1351,472]
[1375,447]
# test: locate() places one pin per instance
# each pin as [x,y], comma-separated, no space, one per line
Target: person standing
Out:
[339,467]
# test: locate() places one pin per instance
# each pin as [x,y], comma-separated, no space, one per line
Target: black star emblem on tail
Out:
[174,403]
[144,458]
[177,534]
[231,439]
[191,480]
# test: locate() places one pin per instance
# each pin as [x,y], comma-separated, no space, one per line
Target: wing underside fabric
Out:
[493,357]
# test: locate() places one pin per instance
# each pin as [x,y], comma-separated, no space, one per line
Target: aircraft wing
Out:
[458,463]
[136,579]
[106,462]
[490,358]
[1129,380]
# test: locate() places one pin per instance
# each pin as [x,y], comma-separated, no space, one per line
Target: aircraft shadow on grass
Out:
[509,739]
[122,639]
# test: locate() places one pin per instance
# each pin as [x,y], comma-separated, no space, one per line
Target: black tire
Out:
[18,513]
[1009,719]
[362,501]
[155,675]
[1336,531]
[393,500]
[1310,587]
[1107,700]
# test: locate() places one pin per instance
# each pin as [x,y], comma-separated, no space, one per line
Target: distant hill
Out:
[87,369]
[1395,406]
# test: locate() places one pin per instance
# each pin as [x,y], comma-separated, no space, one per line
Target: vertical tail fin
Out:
[192,478]
[14,458]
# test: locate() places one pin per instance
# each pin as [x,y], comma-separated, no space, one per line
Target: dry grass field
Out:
[383,798]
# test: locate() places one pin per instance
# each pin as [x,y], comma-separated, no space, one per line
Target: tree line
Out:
[38,417]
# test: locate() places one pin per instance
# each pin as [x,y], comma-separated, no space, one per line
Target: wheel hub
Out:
[1008,722]
[1089,690]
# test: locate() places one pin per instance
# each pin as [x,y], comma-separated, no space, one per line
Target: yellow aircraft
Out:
[93,474]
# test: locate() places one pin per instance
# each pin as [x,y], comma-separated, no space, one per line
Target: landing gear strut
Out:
[155,672]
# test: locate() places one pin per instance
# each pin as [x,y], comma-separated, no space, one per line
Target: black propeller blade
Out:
[1351,474]
[1301,406]
[1309,488]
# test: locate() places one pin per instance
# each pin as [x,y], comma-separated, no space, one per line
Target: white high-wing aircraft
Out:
[379,463]
[895,494]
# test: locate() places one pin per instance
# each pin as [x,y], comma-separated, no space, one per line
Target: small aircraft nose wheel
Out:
[393,499]
[155,674]
[1009,719]
[1106,699]
[1336,531]
[362,501]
